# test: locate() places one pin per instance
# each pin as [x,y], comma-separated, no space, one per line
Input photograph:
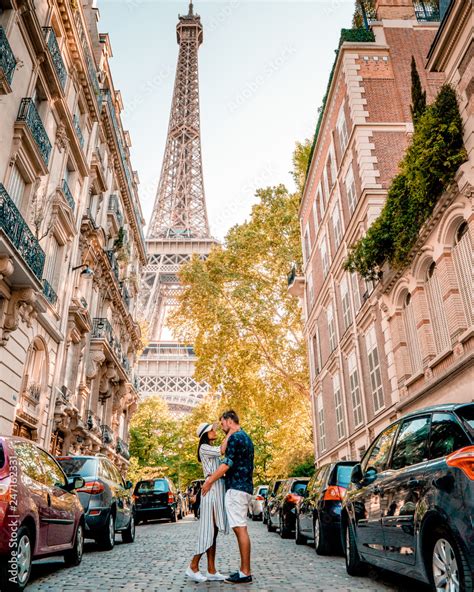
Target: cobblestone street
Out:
[158,558]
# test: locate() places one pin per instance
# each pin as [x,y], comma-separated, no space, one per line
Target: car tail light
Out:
[92,487]
[170,497]
[293,498]
[134,497]
[334,493]
[259,498]
[463,459]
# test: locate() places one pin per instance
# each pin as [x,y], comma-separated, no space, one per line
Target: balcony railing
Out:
[18,232]
[93,421]
[33,392]
[122,449]
[107,434]
[68,195]
[77,127]
[114,207]
[125,294]
[102,329]
[49,293]
[7,59]
[426,11]
[30,116]
[113,262]
[64,396]
[53,47]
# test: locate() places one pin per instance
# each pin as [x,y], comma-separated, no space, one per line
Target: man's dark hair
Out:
[231,414]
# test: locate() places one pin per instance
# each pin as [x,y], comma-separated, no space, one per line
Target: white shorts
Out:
[237,506]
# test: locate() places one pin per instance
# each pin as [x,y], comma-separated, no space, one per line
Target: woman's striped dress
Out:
[212,505]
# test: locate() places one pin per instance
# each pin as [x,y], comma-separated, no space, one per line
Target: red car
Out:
[40,512]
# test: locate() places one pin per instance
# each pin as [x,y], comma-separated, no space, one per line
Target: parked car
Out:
[256,503]
[156,498]
[318,514]
[105,497]
[410,505]
[271,493]
[40,512]
[282,509]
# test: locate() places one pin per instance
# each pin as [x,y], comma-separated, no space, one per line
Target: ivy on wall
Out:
[428,167]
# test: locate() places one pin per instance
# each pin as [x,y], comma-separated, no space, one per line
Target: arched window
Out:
[36,370]
[463,264]
[412,336]
[437,311]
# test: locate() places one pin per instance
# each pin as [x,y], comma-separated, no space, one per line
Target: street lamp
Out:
[86,270]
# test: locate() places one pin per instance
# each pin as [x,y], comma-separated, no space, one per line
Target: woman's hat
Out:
[203,428]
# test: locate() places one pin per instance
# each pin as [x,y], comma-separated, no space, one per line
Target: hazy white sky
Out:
[264,67]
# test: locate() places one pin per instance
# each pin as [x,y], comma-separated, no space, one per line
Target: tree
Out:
[418,95]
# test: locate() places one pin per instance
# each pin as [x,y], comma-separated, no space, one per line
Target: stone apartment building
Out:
[71,241]
[379,350]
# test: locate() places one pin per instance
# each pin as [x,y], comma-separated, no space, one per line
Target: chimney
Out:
[394,9]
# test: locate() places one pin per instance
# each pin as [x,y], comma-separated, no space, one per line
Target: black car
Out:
[318,514]
[105,497]
[271,493]
[156,498]
[410,505]
[282,508]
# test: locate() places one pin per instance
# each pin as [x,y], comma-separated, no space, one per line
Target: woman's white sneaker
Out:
[215,577]
[196,576]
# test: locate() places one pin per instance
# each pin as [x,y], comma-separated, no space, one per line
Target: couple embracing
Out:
[226,495]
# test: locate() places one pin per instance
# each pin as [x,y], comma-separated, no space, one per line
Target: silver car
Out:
[256,503]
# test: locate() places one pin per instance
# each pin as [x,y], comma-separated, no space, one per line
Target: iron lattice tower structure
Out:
[178,229]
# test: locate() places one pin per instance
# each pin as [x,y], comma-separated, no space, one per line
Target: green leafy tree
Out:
[418,95]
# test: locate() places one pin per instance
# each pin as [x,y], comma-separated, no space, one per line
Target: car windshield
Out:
[466,415]
[154,486]
[85,467]
[299,487]
[344,475]
[263,491]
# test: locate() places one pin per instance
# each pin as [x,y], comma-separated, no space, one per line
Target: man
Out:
[237,467]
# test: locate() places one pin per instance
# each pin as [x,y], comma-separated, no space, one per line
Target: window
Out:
[377,456]
[315,217]
[332,165]
[346,303]
[336,386]
[411,446]
[350,190]
[331,328]
[319,360]
[412,335]
[462,256]
[310,294]
[16,186]
[307,244]
[53,263]
[446,435]
[374,369]
[321,426]
[53,476]
[29,461]
[324,256]
[342,130]
[326,183]
[337,226]
[355,390]
[356,291]
[437,311]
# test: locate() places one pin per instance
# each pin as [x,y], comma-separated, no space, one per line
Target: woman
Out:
[213,518]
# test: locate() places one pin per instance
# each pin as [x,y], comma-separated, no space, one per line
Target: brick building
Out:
[361,374]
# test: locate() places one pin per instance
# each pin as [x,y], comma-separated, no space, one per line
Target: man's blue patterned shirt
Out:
[239,457]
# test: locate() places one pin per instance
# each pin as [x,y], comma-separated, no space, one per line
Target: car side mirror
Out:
[128,485]
[356,475]
[74,482]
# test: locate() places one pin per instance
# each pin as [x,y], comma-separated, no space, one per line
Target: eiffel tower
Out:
[178,229]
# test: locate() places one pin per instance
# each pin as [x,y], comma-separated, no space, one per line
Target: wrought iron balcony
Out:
[7,59]
[93,420]
[125,294]
[113,262]
[28,114]
[426,12]
[33,392]
[77,127]
[122,449]
[107,434]
[102,329]
[64,396]
[18,232]
[68,195]
[49,293]
[53,47]
[83,301]
[114,207]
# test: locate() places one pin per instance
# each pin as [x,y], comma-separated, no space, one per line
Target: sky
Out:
[263,71]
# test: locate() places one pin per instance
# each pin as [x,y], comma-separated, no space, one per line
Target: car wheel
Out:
[354,565]
[448,568]
[23,561]
[264,518]
[320,538]
[173,517]
[270,526]
[74,556]
[128,535]
[106,539]
[285,532]
[299,538]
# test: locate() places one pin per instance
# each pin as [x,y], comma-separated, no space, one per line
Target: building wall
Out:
[69,337]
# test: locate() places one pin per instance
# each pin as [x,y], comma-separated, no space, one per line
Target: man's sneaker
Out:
[215,577]
[196,576]
[236,578]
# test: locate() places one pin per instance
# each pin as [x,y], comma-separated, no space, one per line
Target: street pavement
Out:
[158,558]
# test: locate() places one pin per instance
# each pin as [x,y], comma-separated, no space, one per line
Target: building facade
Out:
[71,241]
[359,333]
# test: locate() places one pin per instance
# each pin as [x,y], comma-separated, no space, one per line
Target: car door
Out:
[305,509]
[120,494]
[367,499]
[61,503]
[403,488]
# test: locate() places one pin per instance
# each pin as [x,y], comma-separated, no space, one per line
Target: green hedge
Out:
[428,167]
